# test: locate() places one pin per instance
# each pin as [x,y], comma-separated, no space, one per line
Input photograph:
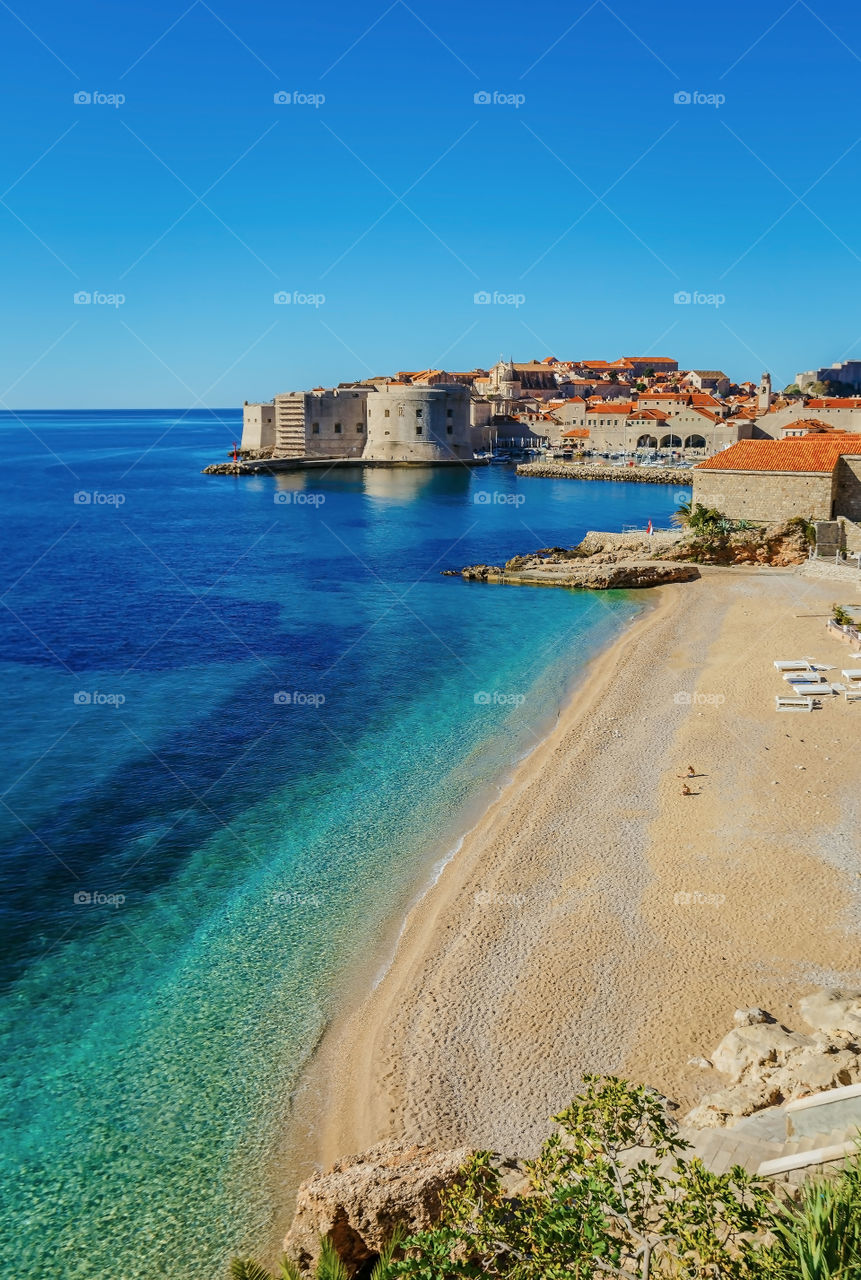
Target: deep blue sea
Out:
[244,718]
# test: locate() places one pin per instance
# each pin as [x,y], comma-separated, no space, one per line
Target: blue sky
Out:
[585,204]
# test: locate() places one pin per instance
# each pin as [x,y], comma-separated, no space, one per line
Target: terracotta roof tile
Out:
[836,403]
[809,453]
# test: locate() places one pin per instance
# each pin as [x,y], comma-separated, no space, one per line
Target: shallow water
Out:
[193,854]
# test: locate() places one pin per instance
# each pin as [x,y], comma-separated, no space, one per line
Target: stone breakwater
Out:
[589,471]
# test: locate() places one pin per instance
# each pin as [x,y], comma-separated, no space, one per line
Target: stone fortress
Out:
[386,422]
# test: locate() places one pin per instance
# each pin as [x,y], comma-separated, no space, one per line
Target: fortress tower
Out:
[419,424]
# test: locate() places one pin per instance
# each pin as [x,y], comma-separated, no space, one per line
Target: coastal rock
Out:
[592,574]
[767,1064]
[833,1010]
[481,572]
[725,1106]
[812,1072]
[359,1202]
[749,1017]
[778,545]
[759,1045]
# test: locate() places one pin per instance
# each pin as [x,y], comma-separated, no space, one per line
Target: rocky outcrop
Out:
[594,471]
[600,562]
[767,1064]
[629,560]
[778,545]
[360,1201]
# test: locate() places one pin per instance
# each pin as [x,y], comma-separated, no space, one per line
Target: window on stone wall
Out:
[387,414]
[337,428]
[449,430]
[449,413]
[400,410]
[419,413]
[359,426]
[315,428]
[418,431]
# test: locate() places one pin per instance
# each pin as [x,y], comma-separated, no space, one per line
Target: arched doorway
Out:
[647,442]
[671,442]
[695,442]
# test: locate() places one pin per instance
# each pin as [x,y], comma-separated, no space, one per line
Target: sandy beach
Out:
[598,920]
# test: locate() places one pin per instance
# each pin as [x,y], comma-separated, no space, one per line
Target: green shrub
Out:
[819,1238]
[598,1203]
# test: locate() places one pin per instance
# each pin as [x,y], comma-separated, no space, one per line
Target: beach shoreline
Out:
[596,920]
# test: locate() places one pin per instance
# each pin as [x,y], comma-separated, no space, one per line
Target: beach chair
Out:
[802,664]
[852,695]
[793,704]
[851,673]
[811,689]
[802,677]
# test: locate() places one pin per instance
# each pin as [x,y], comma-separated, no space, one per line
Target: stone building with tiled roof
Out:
[817,476]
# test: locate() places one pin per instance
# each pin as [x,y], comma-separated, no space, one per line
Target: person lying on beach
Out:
[686,791]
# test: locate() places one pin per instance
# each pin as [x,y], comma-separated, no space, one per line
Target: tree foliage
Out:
[613,1194]
[607,1195]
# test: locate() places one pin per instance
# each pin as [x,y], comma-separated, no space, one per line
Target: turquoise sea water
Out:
[243,718]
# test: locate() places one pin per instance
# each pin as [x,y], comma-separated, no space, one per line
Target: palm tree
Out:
[329,1265]
[682,514]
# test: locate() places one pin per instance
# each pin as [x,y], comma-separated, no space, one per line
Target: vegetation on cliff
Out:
[612,1194]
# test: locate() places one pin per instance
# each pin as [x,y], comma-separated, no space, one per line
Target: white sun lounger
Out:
[851,673]
[810,690]
[793,704]
[802,665]
[803,677]
[852,695]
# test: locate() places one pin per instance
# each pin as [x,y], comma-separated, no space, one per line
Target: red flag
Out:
[649,528]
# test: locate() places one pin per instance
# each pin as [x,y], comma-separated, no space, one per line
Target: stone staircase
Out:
[789,1142]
